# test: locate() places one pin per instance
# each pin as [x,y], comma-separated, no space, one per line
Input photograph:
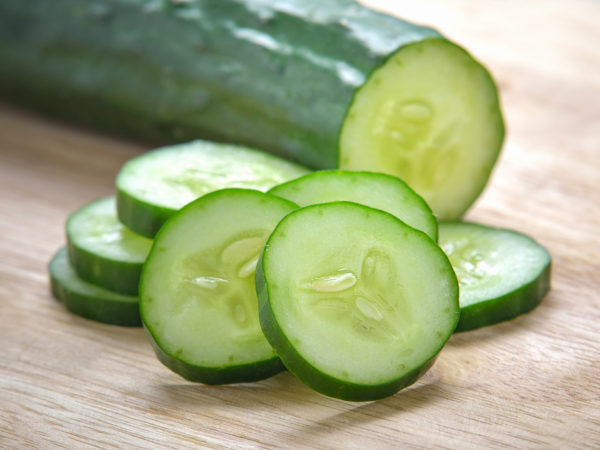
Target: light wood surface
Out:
[533,382]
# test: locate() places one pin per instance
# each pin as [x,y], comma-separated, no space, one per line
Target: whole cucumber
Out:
[284,76]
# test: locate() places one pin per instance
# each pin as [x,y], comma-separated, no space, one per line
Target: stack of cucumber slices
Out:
[97,274]
[245,265]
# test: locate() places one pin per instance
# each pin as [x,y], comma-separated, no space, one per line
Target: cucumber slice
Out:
[431,116]
[197,295]
[153,186]
[88,300]
[356,303]
[102,250]
[376,190]
[501,273]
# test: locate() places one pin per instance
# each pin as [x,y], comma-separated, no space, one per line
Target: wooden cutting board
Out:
[532,382]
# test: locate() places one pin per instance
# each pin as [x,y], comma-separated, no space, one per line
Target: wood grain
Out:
[533,382]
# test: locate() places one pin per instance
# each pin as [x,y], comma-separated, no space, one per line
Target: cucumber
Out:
[154,186]
[102,250]
[88,300]
[501,273]
[376,190]
[328,84]
[197,295]
[356,303]
[431,116]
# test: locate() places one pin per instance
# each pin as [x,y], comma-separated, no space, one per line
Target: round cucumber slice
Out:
[376,190]
[356,303]
[197,294]
[155,185]
[88,300]
[102,250]
[431,116]
[501,273]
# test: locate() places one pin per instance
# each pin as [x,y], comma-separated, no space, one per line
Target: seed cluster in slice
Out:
[376,190]
[502,273]
[335,275]
[356,303]
[197,294]
[155,185]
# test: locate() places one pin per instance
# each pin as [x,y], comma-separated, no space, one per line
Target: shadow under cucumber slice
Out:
[197,294]
[88,300]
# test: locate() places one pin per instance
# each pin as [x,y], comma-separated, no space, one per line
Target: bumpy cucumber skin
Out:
[312,376]
[507,306]
[105,309]
[239,373]
[284,73]
[142,217]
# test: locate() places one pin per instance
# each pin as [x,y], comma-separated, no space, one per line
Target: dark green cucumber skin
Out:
[278,76]
[118,276]
[100,309]
[141,217]
[507,306]
[243,373]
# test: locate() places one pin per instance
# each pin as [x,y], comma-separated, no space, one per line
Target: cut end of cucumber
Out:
[431,116]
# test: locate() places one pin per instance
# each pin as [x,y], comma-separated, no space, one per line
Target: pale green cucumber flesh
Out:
[88,300]
[501,273]
[431,116]
[197,293]
[153,186]
[356,303]
[102,250]
[376,190]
